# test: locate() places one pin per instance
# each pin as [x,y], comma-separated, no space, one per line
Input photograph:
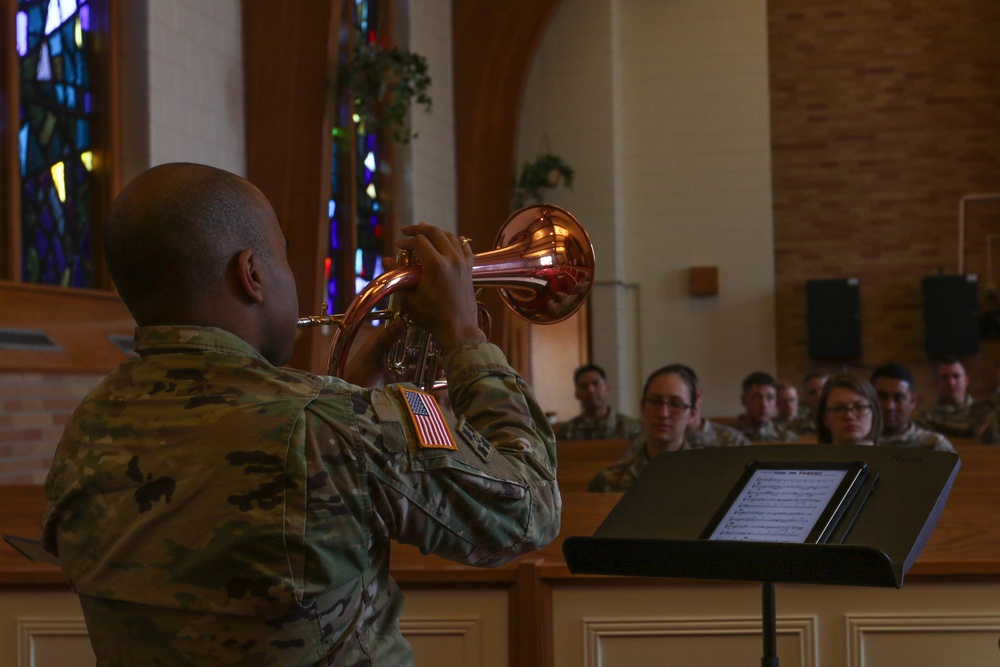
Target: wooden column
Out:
[493,47]
[289,62]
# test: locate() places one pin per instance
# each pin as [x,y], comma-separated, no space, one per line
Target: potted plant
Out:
[547,171]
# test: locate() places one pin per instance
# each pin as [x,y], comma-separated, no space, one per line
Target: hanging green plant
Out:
[547,171]
[382,84]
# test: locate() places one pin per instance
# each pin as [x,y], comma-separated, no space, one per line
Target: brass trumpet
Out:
[542,263]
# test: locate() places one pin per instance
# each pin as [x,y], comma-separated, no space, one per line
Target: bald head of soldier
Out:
[189,244]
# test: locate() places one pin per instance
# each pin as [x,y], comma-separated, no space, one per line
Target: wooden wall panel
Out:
[289,57]
[493,47]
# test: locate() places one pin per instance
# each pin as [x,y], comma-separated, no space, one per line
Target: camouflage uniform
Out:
[715,435]
[986,420]
[709,434]
[210,508]
[950,419]
[803,423]
[920,438]
[618,478]
[614,426]
[769,432]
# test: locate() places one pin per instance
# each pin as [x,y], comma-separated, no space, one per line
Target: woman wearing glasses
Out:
[849,412]
[668,402]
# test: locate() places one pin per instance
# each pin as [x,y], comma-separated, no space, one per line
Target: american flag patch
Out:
[432,431]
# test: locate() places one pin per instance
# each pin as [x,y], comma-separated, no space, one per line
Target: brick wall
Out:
[883,114]
[34,408]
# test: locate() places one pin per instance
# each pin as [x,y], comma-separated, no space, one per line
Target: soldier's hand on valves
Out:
[444,301]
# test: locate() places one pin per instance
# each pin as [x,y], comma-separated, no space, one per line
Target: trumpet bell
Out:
[542,262]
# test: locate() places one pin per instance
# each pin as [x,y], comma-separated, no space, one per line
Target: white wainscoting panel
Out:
[665,642]
[458,627]
[921,640]
[53,642]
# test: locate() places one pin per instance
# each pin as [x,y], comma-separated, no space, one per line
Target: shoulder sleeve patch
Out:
[428,421]
[393,437]
[477,442]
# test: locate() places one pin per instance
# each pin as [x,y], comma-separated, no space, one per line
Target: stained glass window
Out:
[363,205]
[54,42]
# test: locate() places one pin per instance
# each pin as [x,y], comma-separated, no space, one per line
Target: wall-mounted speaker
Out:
[833,319]
[951,315]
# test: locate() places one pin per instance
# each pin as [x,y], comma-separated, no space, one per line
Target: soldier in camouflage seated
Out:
[213,508]
[760,402]
[598,420]
[952,415]
[672,421]
[897,396]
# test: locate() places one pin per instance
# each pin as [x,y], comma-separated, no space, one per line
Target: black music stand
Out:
[655,529]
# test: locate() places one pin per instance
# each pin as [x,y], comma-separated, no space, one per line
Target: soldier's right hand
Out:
[444,301]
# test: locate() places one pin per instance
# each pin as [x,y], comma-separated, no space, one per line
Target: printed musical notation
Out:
[779,505]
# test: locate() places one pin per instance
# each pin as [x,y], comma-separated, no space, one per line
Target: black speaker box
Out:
[833,319]
[951,315]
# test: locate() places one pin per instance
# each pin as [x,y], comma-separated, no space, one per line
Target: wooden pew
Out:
[965,548]
[580,460]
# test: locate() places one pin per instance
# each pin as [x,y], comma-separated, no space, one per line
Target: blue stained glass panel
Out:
[367,216]
[56,219]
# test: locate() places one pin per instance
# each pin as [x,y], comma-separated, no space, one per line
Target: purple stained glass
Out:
[56,218]
[21,29]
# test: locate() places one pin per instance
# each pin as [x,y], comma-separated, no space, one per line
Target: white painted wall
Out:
[429,175]
[661,106]
[182,84]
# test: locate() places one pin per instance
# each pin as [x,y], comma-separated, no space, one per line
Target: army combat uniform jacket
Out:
[614,426]
[918,438]
[210,508]
[710,434]
[953,420]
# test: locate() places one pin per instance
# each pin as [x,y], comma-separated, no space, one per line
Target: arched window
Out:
[58,119]
[358,208]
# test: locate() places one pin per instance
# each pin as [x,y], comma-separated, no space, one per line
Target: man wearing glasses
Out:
[897,397]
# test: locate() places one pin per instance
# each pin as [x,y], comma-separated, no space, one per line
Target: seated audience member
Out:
[952,415]
[667,403]
[787,402]
[849,413]
[211,507]
[759,398]
[986,415]
[897,397]
[791,416]
[702,433]
[599,420]
[812,389]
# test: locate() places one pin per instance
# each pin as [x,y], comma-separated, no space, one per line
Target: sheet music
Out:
[779,505]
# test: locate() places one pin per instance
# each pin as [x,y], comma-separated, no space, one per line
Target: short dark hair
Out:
[759,378]
[587,368]
[812,375]
[949,360]
[684,372]
[859,386]
[894,372]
